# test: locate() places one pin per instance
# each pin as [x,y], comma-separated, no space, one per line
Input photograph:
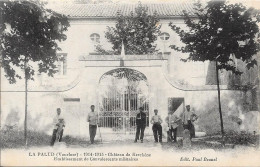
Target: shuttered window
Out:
[62,63]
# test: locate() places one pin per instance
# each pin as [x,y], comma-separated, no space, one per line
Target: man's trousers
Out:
[139,128]
[92,132]
[191,128]
[157,130]
[53,138]
[172,134]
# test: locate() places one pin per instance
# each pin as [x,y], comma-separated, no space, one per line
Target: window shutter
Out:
[65,65]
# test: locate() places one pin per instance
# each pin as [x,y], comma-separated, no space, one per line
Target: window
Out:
[62,63]
[164,36]
[95,37]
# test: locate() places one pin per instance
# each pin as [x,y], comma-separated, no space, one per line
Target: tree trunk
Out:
[219,104]
[25,116]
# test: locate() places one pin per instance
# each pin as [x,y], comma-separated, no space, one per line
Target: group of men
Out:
[172,121]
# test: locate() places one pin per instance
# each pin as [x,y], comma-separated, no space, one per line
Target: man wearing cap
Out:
[56,125]
[188,119]
[156,120]
[93,122]
[140,124]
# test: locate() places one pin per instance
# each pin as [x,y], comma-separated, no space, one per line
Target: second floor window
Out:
[95,38]
[164,36]
[62,63]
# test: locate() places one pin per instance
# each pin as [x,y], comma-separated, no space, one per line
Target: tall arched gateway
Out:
[121,92]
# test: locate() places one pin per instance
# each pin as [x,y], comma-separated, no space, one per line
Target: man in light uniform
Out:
[172,122]
[56,124]
[188,119]
[156,120]
[93,123]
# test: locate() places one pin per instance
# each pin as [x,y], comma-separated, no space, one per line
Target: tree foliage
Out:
[137,31]
[30,33]
[219,32]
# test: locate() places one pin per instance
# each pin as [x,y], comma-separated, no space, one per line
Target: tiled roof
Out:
[110,10]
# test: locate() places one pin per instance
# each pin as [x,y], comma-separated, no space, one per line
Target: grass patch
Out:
[15,139]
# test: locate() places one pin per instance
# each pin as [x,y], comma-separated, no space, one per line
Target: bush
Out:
[210,122]
[237,138]
[242,138]
[231,104]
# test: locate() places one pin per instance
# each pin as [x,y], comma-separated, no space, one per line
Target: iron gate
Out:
[120,98]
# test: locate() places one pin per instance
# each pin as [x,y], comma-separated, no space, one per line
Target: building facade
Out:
[116,84]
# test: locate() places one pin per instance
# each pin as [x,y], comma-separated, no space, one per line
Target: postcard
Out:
[129,83]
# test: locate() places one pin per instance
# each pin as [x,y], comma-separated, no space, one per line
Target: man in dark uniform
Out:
[140,124]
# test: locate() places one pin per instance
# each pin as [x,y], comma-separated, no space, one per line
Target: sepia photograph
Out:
[129,82]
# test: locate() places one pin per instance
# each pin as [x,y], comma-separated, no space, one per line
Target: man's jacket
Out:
[141,119]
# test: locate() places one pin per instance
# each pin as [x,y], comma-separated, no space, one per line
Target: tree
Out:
[220,32]
[29,35]
[137,31]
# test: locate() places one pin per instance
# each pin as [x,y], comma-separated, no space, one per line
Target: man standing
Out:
[172,122]
[188,118]
[140,124]
[157,128]
[93,122]
[56,125]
